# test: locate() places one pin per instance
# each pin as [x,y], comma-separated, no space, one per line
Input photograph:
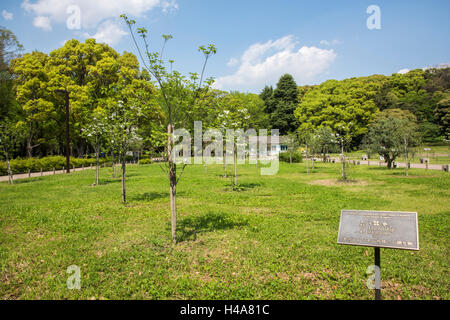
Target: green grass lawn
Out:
[275,239]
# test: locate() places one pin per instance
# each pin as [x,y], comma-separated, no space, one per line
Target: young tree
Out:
[324,140]
[234,116]
[121,120]
[292,144]
[177,94]
[95,132]
[409,132]
[343,136]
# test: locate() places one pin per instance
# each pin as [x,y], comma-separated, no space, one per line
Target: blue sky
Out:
[257,40]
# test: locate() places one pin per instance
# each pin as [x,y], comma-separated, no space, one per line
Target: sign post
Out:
[379,229]
[377,274]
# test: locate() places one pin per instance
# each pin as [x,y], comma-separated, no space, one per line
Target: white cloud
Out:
[403,71]
[43,23]
[7,15]
[99,15]
[169,6]
[94,11]
[108,32]
[264,63]
[330,43]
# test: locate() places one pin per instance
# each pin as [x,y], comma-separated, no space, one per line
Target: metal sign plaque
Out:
[384,229]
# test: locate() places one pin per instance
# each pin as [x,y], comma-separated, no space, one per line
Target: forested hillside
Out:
[351,104]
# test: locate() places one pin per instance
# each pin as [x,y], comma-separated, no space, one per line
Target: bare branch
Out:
[184,166]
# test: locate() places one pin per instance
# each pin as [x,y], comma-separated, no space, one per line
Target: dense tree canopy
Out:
[338,103]
[97,77]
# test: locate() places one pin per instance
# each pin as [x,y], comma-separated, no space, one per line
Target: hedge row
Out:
[46,164]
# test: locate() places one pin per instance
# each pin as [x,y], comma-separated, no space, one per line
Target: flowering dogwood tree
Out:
[95,131]
[177,94]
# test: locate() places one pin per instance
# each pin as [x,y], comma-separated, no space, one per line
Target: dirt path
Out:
[399,164]
[44,173]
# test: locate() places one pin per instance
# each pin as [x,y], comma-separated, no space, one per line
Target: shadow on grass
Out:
[244,186]
[109,181]
[229,175]
[189,227]
[26,180]
[149,196]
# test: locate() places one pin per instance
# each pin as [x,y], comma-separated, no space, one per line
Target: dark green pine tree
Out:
[285,100]
[267,96]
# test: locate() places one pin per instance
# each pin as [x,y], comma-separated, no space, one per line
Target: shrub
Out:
[145,161]
[3,168]
[296,157]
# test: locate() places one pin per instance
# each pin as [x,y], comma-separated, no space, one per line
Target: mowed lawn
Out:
[275,239]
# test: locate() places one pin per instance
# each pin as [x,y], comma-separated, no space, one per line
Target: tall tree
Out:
[286,99]
[10,49]
[35,98]
[86,70]
[10,137]
[267,96]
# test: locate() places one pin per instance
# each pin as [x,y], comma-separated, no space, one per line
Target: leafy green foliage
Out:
[337,103]
[295,157]
[392,131]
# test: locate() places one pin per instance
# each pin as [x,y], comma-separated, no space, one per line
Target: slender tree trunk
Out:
[29,148]
[235,164]
[173,183]
[343,161]
[225,164]
[124,186]
[307,160]
[10,176]
[97,155]
[113,165]
[406,156]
